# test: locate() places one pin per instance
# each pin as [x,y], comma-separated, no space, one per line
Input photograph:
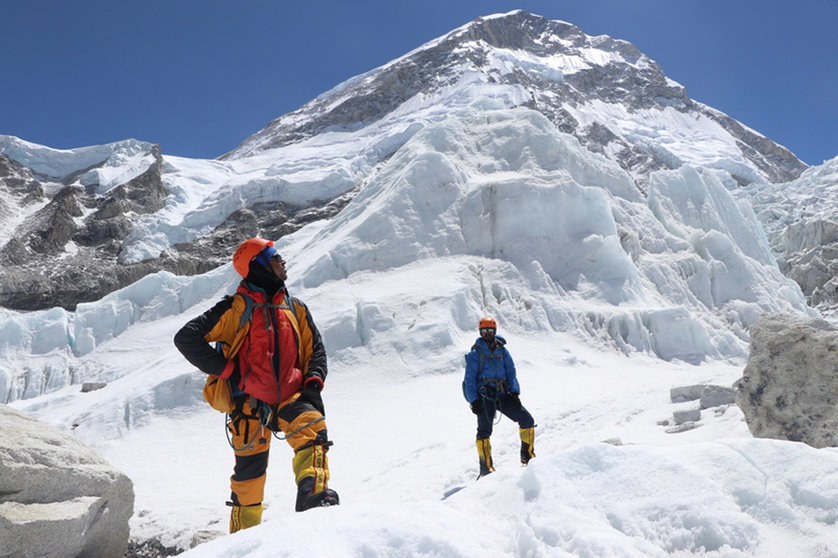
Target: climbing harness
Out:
[264,413]
[492,392]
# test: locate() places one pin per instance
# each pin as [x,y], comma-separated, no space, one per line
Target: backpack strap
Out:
[291,304]
[250,305]
[482,355]
[243,320]
[248,309]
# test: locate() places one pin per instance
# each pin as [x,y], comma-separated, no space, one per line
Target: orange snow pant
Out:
[304,429]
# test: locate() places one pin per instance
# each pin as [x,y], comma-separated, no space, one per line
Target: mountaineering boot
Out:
[311,471]
[527,444]
[484,452]
[243,517]
[307,498]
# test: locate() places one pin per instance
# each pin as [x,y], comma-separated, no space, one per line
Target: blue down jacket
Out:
[496,366]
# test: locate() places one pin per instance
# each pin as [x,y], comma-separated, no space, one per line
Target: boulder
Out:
[686,393]
[709,395]
[789,388]
[87,387]
[716,396]
[58,498]
[691,415]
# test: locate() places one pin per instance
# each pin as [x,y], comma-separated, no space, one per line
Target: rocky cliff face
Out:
[64,247]
[64,235]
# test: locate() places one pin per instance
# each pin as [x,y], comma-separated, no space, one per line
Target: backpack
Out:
[482,356]
[218,392]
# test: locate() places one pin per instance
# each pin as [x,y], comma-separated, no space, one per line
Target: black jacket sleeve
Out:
[317,364]
[191,341]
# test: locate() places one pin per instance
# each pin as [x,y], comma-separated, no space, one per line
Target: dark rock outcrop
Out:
[68,251]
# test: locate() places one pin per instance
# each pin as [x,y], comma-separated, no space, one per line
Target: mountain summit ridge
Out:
[562,71]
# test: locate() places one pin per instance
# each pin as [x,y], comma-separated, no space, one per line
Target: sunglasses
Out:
[268,255]
[487,330]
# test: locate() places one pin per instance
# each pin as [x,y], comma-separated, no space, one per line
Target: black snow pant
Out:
[509,408]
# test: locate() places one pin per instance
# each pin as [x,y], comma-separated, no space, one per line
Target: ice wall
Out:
[489,211]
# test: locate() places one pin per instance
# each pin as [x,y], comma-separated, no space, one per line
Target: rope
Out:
[497,412]
[281,437]
[229,419]
[495,400]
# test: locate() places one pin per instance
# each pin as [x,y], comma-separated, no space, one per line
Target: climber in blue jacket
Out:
[491,385]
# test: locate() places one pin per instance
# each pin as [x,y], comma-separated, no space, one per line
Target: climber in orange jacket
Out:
[270,351]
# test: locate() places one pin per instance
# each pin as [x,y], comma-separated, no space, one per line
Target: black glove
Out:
[311,393]
[515,400]
[477,406]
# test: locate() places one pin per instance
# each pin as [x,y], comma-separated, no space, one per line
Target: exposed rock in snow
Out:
[707,395]
[716,396]
[70,239]
[58,498]
[65,251]
[789,389]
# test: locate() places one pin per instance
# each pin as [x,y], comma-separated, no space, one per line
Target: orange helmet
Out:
[246,251]
[487,322]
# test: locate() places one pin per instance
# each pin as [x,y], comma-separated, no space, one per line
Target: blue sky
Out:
[199,76]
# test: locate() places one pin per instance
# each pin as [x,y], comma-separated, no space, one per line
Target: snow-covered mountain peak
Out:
[613,98]
[561,42]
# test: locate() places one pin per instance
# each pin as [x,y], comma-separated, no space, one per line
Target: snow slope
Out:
[404,441]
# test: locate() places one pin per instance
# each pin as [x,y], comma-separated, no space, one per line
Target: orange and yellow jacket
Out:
[267,348]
